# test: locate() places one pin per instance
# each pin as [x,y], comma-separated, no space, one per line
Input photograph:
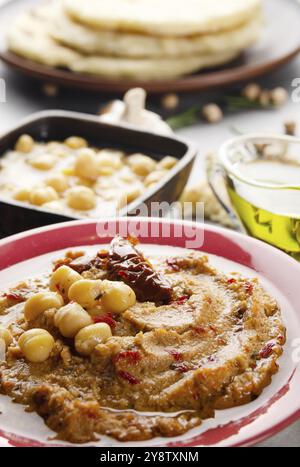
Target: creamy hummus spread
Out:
[194,340]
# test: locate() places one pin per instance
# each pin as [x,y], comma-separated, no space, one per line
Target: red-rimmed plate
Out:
[30,253]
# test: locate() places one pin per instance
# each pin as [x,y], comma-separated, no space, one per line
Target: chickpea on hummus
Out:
[132,347]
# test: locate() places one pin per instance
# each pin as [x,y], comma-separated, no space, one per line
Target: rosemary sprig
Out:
[229,103]
[184,119]
[234,103]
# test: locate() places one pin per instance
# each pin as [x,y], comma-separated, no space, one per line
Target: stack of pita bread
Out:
[137,39]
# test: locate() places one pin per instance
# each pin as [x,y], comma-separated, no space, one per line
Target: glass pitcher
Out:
[262,179]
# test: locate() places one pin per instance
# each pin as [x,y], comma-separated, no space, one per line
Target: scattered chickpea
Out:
[81,198]
[252,92]
[141,165]
[212,113]
[25,144]
[75,142]
[86,292]
[58,182]
[71,319]
[167,163]
[43,301]
[50,90]
[91,336]
[22,195]
[62,279]
[279,96]
[43,195]
[36,345]
[118,297]
[265,98]
[86,164]
[170,101]
[290,128]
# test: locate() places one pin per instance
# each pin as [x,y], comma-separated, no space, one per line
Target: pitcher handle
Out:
[216,179]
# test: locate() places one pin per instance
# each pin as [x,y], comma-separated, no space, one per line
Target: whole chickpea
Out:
[23,194]
[62,279]
[25,144]
[91,336]
[43,162]
[41,302]
[86,292]
[58,182]
[70,319]
[86,164]
[252,92]
[118,297]
[167,163]
[212,113]
[76,142]
[36,345]
[81,198]
[141,165]
[43,195]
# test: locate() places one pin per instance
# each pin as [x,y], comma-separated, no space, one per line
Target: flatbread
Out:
[30,39]
[163,17]
[87,40]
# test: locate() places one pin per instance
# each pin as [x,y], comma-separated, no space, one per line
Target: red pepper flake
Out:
[181,300]
[175,354]
[213,328]
[231,281]
[15,296]
[128,377]
[108,319]
[267,350]
[172,263]
[181,367]
[131,357]
[249,288]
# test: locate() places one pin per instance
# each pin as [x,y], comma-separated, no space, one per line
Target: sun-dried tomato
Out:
[125,262]
[108,319]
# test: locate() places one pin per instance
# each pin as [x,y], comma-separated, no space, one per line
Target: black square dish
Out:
[58,125]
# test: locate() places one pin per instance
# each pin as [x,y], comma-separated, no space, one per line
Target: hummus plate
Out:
[227,252]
